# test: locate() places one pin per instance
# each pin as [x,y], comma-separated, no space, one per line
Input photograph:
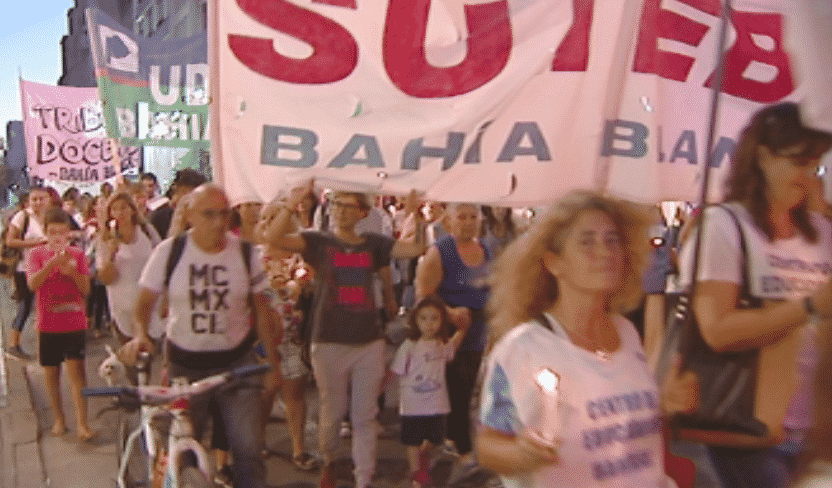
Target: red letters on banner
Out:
[573,52]
[335,52]
[745,52]
[489,44]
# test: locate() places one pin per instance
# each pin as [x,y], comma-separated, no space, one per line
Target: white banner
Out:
[809,41]
[510,101]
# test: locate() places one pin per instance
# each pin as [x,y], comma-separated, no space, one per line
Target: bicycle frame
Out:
[154,401]
[180,441]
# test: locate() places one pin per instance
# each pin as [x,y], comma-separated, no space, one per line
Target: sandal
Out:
[305,461]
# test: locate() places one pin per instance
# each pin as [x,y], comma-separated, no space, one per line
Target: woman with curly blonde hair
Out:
[567,398]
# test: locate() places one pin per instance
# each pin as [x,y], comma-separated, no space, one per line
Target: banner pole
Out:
[689,336]
[115,161]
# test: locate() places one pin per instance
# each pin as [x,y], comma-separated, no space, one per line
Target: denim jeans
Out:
[749,468]
[239,404]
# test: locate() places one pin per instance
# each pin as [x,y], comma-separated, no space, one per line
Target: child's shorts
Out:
[54,347]
[418,428]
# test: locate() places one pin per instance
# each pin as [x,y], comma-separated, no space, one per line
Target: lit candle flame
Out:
[548,380]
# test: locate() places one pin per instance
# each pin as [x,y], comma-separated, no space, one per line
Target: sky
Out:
[30,44]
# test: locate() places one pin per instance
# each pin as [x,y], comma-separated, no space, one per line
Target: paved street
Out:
[30,457]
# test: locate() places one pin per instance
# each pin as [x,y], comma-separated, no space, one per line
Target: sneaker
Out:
[18,353]
[346,430]
[327,477]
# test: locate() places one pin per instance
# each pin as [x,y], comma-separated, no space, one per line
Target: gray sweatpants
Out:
[341,370]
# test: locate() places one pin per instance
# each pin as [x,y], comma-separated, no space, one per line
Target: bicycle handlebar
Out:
[250,370]
[109,391]
[161,394]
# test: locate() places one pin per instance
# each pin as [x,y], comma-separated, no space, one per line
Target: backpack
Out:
[174,353]
[178,248]
[11,256]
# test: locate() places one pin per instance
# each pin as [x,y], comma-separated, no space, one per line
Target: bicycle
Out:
[187,464]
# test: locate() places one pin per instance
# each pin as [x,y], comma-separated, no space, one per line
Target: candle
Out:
[546,427]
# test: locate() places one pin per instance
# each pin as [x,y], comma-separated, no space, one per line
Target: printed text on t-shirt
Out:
[209,294]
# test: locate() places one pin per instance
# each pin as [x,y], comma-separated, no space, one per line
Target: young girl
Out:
[59,275]
[420,365]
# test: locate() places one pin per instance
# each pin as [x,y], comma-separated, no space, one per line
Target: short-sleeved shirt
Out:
[207,295]
[122,293]
[420,366]
[34,230]
[784,269]
[61,307]
[609,415]
[344,308]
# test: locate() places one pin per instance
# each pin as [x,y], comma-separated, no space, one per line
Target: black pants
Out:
[25,299]
[98,308]
[461,376]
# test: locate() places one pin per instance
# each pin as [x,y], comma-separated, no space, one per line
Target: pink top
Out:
[61,307]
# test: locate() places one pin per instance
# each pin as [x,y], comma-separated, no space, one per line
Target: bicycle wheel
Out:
[192,477]
[136,474]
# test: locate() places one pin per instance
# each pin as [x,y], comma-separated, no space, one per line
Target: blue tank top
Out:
[465,286]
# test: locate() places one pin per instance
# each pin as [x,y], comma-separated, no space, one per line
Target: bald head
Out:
[209,213]
[207,190]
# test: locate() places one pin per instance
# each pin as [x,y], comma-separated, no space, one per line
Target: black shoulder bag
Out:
[728,380]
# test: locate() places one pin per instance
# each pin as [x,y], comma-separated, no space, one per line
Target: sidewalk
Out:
[32,457]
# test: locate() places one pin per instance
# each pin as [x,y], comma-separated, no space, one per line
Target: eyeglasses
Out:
[351,206]
[214,214]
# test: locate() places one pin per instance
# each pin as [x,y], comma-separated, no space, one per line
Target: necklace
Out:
[601,352]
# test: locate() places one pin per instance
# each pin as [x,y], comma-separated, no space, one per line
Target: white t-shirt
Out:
[122,294]
[207,295]
[420,366]
[610,417]
[34,230]
[786,269]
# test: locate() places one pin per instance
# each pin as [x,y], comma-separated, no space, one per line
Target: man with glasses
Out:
[211,292]
[347,351]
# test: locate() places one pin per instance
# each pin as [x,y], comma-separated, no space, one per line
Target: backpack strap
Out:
[178,248]
[153,239]
[175,255]
[246,249]
[25,225]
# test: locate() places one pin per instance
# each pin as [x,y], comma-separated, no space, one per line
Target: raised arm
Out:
[412,242]
[278,220]
[429,273]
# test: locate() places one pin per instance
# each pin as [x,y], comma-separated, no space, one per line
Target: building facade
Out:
[75,46]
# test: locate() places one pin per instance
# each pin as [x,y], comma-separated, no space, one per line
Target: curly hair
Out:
[776,127]
[522,287]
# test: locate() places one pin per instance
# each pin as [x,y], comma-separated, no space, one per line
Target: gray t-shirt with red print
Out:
[344,309]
